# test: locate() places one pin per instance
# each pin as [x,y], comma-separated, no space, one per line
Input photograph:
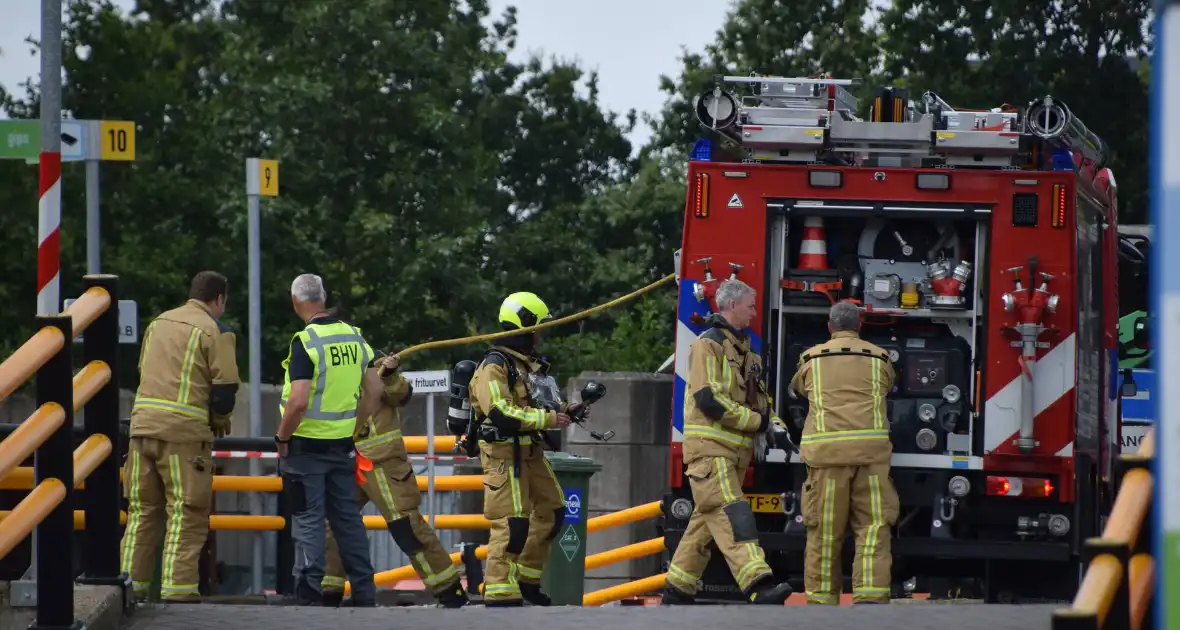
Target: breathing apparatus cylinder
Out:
[459,411]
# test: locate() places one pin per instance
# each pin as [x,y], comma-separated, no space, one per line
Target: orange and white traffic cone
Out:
[813,254]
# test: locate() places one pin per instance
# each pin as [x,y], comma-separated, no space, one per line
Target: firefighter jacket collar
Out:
[201,305]
[739,338]
[846,334]
[532,363]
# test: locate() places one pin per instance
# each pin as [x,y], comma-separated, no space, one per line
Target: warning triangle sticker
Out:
[735,202]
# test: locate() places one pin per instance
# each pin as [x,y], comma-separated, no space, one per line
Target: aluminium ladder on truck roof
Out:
[807,120]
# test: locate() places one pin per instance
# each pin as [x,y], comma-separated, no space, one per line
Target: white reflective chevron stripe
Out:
[684,339]
[1052,377]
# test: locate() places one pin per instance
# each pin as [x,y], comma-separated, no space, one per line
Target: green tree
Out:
[979,54]
[771,37]
[415,155]
[415,160]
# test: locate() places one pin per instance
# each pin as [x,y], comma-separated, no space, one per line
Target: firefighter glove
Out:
[221,424]
[579,411]
[388,365]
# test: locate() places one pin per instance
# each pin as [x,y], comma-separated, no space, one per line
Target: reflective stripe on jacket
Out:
[340,356]
[178,365]
[379,438]
[494,402]
[725,401]
[845,380]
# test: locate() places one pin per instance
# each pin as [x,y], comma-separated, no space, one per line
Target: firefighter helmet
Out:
[521,310]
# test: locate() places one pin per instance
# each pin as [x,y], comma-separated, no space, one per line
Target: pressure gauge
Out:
[926,412]
[894,355]
[951,394]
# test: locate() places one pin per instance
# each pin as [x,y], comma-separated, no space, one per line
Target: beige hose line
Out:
[446,343]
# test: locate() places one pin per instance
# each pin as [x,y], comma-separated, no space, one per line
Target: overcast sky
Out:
[630,42]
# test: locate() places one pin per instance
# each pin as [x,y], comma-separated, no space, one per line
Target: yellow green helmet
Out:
[521,310]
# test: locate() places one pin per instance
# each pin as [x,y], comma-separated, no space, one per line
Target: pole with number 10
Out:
[262,179]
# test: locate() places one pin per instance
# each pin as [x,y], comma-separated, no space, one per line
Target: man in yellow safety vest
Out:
[322,385]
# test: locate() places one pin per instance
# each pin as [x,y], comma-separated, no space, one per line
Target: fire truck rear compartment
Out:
[923,306]
[893,267]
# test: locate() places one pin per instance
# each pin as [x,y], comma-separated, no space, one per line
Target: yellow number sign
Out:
[268,178]
[117,141]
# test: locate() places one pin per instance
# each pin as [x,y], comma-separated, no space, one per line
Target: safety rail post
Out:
[54,546]
[102,497]
[1139,616]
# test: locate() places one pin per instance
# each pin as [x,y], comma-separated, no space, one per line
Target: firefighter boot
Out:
[766,591]
[333,599]
[675,597]
[531,592]
[453,596]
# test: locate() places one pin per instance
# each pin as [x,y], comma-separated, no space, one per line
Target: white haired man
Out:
[726,405]
[846,450]
[323,382]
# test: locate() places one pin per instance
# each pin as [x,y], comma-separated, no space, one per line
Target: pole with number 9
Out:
[262,179]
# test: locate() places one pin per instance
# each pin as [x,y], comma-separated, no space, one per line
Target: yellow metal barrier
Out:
[30,512]
[21,478]
[443,444]
[33,432]
[625,553]
[89,455]
[48,433]
[598,523]
[48,494]
[623,591]
[1110,586]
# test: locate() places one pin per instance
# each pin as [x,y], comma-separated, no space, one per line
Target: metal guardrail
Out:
[1116,591]
[13,477]
[48,435]
[598,523]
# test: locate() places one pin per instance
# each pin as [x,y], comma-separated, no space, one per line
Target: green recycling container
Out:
[564,576]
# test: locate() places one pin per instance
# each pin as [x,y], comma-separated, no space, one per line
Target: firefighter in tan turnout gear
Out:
[726,407]
[846,449]
[387,479]
[522,497]
[188,380]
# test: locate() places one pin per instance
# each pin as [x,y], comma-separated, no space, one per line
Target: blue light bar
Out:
[702,151]
[1062,160]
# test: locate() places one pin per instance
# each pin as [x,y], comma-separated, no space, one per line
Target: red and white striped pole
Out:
[49,206]
[49,234]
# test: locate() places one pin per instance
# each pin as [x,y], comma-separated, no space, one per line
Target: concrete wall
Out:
[637,407]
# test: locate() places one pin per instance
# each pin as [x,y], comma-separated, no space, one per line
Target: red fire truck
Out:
[982,248]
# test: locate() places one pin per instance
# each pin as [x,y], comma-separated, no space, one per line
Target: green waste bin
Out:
[565,571]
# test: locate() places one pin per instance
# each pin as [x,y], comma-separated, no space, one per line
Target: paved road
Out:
[895,617]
